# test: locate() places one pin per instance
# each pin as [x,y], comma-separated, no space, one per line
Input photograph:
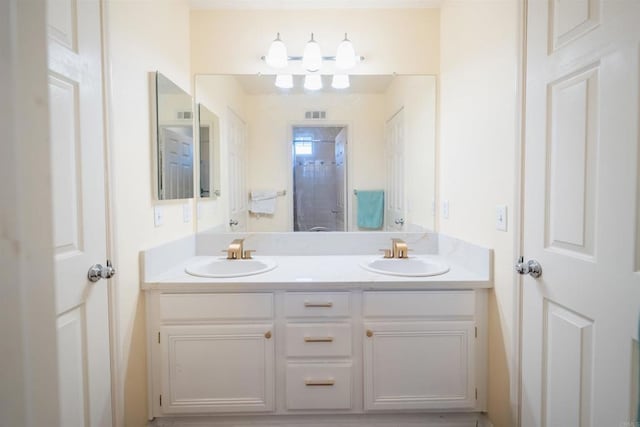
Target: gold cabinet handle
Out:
[318,339]
[318,304]
[369,333]
[319,383]
[267,335]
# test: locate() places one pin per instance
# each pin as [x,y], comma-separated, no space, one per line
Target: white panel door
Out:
[394,199]
[419,365]
[581,219]
[238,194]
[217,368]
[176,148]
[78,190]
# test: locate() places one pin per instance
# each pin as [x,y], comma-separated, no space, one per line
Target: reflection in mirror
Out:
[387,149]
[208,152]
[174,133]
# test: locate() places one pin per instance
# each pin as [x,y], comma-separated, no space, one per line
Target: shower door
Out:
[319,178]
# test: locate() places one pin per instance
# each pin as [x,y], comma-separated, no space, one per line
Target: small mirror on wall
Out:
[174,140]
[209,152]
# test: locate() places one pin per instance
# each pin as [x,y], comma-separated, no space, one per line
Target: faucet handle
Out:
[387,253]
[247,253]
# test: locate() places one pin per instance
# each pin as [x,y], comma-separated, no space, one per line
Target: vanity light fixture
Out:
[312,61]
[277,56]
[340,81]
[345,55]
[284,81]
[313,82]
[312,56]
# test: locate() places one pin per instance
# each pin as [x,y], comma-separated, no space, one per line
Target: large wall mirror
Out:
[356,159]
[174,139]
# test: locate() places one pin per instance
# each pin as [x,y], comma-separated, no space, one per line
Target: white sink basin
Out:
[223,267]
[408,267]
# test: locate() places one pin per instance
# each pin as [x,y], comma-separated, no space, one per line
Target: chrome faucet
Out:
[399,249]
[236,250]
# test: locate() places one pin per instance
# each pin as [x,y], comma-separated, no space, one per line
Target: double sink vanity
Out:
[316,323]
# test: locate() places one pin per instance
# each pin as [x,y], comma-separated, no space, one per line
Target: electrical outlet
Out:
[158,216]
[445,209]
[501,217]
[187,212]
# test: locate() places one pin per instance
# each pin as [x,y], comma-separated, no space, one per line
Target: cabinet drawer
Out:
[317,304]
[319,386]
[216,306]
[419,304]
[319,340]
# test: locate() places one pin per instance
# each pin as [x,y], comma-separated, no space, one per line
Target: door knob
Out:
[399,221]
[233,222]
[98,271]
[531,267]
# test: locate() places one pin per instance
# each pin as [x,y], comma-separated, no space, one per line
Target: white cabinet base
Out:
[214,359]
[328,420]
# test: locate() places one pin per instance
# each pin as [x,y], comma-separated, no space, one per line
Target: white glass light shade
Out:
[277,55]
[284,81]
[346,55]
[313,82]
[340,81]
[312,56]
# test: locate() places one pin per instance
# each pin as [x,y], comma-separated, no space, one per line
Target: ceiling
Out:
[264,84]
[314,4]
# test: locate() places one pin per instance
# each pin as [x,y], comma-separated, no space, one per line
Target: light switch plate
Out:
[158,216]
[187,212]
[445,209]
[501,217]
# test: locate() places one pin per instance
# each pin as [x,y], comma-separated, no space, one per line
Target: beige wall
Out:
[219,94]
[477,157]
[416,96]
[141,37]
[404,41]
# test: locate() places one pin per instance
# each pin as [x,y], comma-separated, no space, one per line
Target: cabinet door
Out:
[222,368]
[419,365]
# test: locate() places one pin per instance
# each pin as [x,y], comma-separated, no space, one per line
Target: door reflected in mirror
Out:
[174,140]
[208,152]
[389,122]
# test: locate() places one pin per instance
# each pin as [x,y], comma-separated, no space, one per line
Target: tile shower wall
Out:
[315,191]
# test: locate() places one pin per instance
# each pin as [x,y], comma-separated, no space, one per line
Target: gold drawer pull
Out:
[315,383]
[267,335]
[318,339]
[318,304]
[369,333]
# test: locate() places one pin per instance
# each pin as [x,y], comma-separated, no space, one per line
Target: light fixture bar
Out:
[324,58]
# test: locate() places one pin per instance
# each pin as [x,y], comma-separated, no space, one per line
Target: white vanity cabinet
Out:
[319,351]
[284,351]
[420,350]
[217,368]
[214,353]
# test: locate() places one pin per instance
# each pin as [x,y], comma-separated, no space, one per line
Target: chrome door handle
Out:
[399,221]
[98,271]
[531,267]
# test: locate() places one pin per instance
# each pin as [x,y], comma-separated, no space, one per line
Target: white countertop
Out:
[317,272]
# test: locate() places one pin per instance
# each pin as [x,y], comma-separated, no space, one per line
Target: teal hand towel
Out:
[370,209]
